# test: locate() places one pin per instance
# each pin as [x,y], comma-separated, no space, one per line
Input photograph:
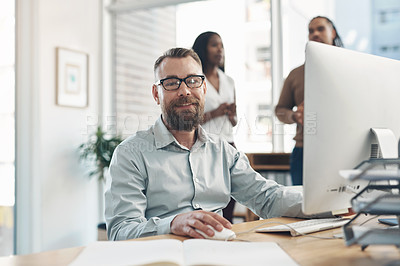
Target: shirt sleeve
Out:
[265,197]
[126,202]
[283,109]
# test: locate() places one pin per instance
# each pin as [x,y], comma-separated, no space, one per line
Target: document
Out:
[189,252]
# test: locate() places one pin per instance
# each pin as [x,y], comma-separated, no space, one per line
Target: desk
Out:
[304,250]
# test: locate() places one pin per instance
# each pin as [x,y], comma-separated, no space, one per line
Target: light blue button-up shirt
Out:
[154,178]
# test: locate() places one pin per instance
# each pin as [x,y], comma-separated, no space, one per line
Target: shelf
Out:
[385,201]
[269,161]
[378,206]
[366,236]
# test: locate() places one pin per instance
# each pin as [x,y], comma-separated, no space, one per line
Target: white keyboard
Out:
[306,227]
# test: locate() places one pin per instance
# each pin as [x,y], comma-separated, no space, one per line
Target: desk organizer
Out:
[385,182]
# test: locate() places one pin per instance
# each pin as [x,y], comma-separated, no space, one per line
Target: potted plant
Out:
[100,149]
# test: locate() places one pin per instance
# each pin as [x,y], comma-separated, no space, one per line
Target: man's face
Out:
[320,30]
[182,109]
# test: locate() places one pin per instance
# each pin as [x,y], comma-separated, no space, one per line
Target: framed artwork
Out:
[72,78]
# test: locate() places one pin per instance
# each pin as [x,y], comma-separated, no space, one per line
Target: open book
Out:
[188,252]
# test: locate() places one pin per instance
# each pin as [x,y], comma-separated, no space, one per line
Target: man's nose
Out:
[315,33]
[183,89]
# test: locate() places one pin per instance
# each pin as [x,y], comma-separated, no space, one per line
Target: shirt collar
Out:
[163,136]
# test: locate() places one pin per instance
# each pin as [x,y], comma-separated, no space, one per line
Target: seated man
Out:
[174,177]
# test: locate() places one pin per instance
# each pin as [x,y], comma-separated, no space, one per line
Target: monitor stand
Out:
[387,143]
[388,148]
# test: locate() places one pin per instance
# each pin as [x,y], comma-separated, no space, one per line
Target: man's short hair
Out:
[177,53]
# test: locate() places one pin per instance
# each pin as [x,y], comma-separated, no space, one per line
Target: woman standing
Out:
[220,106]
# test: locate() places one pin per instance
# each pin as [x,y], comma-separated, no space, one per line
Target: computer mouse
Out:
[225,234]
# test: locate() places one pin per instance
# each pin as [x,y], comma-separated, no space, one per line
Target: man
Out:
[174,177]
[320,29]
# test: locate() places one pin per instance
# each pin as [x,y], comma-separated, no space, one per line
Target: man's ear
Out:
[156,96]
[205,87]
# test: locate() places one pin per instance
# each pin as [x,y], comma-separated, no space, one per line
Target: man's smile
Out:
[184,105]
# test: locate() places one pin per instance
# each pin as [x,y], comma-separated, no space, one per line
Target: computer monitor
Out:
[346,94]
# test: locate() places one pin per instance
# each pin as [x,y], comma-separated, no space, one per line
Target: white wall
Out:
[56,203]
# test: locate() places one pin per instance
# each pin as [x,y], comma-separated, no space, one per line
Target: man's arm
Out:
[283,109]
[126,200]
[265,197]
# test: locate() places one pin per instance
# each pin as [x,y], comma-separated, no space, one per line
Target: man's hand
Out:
[298,116]
[185,223]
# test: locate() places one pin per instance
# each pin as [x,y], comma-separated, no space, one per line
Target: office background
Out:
[56,204]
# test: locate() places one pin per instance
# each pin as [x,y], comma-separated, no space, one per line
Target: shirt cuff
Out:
[164,225]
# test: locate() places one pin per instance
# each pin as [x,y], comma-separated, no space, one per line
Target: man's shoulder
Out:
[140,138]
[298,70]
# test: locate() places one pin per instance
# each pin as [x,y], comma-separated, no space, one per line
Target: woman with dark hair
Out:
[220,106]
[320,29]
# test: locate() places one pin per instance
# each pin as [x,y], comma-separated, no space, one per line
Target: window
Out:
[140,36]
[7,128]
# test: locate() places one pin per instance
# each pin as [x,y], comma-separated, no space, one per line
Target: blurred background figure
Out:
[291,102]
[220,106]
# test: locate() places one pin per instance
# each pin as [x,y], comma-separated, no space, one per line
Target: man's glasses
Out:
[172,84]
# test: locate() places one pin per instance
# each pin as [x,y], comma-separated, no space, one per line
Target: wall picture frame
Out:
[72,68]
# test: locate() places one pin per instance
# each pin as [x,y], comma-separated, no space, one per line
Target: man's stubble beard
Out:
[185,120]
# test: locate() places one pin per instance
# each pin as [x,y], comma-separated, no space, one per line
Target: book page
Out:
[212,252]
[154,252]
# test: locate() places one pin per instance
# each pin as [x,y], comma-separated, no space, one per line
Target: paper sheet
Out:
[166,251]
[211,252]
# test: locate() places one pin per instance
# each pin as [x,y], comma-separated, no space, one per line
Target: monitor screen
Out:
[346,94]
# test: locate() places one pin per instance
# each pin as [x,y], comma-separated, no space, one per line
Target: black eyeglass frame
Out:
[161,82]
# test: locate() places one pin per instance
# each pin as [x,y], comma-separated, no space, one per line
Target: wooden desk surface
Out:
[304,250]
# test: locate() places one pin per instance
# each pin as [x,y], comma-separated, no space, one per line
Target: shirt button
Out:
[196,206]
[196,180]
